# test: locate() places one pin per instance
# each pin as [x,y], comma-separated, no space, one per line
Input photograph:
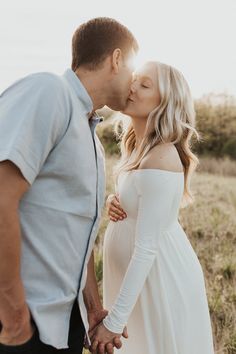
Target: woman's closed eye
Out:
[146,83]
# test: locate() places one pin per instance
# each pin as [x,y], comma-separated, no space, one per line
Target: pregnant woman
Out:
[153,281]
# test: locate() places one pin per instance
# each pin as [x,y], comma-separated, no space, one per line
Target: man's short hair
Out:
[94,40]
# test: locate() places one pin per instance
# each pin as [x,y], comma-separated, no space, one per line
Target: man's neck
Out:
[93,81]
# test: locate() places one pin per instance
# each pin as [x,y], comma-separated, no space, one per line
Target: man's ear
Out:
[116,60]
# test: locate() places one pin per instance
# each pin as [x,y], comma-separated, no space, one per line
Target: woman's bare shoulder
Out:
[163,157]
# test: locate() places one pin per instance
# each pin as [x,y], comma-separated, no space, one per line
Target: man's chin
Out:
[126,108]
[120,107]
[125,111]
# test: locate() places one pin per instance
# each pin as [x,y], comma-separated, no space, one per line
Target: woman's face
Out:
[144,93]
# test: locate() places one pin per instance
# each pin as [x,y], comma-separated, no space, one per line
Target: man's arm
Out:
[92,301]
[95,311]
[14,312]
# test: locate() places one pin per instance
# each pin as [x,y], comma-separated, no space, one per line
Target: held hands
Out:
[103,341]
[114,208]
[95,318]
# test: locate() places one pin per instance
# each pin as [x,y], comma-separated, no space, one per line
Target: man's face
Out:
[120,88]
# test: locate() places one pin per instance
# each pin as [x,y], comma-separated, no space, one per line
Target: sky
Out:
[196,36]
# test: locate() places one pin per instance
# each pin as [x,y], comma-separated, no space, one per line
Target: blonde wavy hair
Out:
[173,121]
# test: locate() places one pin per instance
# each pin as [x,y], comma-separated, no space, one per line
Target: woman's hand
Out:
[114,208]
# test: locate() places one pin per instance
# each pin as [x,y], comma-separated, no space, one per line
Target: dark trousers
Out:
[35,346]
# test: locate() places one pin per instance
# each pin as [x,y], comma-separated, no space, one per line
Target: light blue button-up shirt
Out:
[45,131]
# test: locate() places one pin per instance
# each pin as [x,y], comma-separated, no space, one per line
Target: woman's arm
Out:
[155,200]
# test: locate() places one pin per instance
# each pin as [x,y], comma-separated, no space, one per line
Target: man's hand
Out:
[103,341]
[95,317]
[18,329]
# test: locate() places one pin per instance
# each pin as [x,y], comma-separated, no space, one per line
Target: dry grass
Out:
[221,166]
[210,224]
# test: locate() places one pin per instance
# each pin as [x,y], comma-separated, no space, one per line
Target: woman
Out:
[153,281]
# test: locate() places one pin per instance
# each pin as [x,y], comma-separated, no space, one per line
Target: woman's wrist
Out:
[110,326]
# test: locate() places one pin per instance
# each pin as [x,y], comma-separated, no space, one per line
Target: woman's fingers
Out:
[116,207]
[116,203]
[113,219]
[125,333]
[113,201]
[115,216]
[117,342]
[110,199]
[115,210]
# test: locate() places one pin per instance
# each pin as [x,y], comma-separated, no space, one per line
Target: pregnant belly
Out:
[119,243]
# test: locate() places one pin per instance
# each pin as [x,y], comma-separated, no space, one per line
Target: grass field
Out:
[210,224]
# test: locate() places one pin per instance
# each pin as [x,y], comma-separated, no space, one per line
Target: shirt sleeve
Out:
[155,201]
[32,121]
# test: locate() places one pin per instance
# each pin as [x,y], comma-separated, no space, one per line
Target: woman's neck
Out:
[139,126]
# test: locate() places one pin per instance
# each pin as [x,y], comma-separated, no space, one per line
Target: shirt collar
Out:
[80,90]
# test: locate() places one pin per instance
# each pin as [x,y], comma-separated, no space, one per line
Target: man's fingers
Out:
[86,344]
[101,348]
[117,342]
[109,348]
[92,332]
[94,345]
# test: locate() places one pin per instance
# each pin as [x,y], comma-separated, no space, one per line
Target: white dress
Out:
[153,281]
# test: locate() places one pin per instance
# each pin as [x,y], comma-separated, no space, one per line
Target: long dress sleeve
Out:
[155,195]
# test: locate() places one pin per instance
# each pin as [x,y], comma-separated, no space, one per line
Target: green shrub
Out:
[216,123]
[229,148]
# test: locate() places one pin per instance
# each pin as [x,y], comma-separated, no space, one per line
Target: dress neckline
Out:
[157,170]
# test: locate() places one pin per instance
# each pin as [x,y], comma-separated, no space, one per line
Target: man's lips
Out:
[130,99]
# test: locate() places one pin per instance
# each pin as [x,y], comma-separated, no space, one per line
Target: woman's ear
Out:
[116,60]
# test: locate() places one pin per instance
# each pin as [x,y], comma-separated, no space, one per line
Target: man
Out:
[52,191]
